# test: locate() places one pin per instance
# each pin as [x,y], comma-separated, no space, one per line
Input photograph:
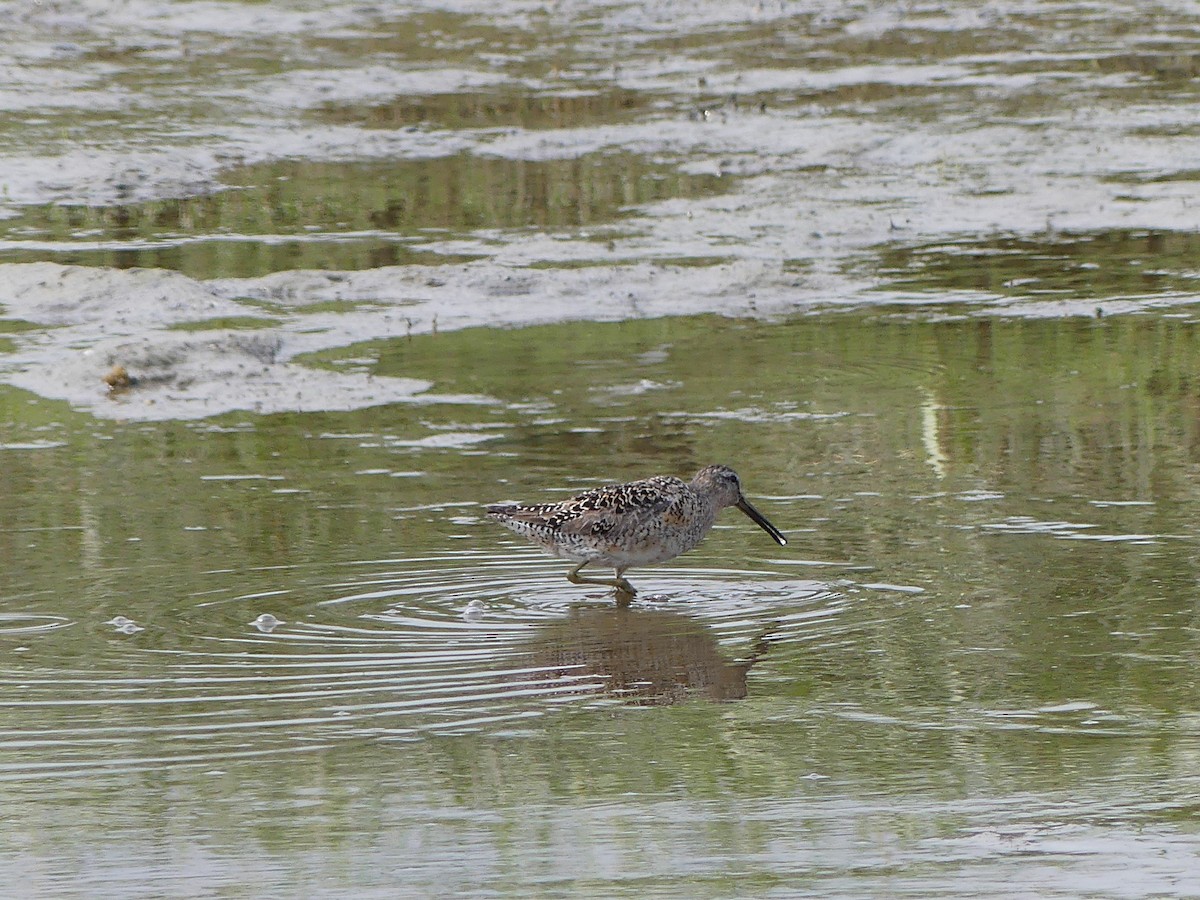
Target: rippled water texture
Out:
[925,275]
[968,671]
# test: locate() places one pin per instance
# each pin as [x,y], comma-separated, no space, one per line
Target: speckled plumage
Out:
[626,525]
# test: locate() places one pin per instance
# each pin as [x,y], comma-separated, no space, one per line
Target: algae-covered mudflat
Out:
[926,275]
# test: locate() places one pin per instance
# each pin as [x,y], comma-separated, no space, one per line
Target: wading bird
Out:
[636,524]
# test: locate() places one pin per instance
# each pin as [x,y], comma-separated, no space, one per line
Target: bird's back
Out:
[618,525]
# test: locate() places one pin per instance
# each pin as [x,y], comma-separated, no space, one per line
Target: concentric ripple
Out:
[29,623]
[395,650]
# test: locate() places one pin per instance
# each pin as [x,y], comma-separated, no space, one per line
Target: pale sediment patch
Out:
[179,376]
[95,319]
[98,319]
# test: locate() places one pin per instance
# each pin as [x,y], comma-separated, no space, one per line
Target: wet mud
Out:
[800,158]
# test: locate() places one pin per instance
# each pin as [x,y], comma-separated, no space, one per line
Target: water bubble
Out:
[474,611]
[266,623]
[124,625]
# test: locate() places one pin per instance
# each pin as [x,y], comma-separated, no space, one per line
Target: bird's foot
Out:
[625,597]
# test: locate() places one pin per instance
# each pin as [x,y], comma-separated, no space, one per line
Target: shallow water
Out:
[256,636]
[969,671]
[344,216]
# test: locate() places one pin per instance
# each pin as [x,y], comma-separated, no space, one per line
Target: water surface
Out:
[972,656]
[256,635]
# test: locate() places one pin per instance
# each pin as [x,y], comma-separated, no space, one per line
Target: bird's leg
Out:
[622,586]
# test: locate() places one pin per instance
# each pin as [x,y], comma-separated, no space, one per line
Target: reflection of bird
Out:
[634,524]
[645,656]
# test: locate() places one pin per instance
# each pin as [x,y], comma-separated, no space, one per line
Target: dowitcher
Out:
[636,524]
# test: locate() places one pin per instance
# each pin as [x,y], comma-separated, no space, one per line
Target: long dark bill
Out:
[761,521]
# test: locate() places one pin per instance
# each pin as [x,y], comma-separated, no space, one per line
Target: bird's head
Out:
[723,483]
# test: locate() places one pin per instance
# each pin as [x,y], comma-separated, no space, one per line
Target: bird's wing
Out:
[601,509]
